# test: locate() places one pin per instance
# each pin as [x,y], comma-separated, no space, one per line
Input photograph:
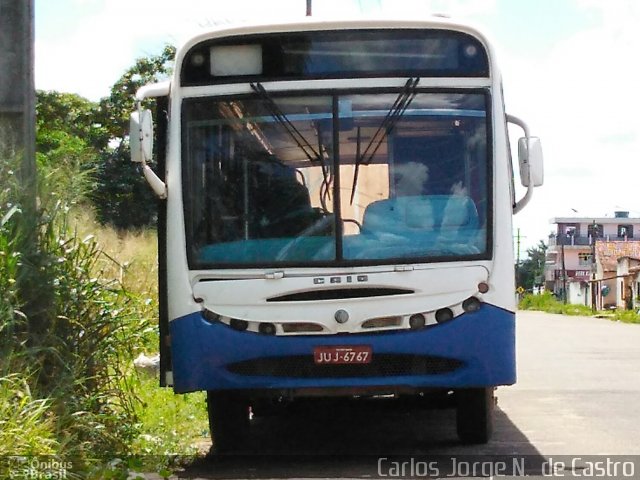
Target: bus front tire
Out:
[474,414]
[228,421]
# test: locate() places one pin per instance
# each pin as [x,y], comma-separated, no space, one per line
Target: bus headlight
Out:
[417,320]
[471,304]
[267,328]
[444,315]
[210,316]
[239,325]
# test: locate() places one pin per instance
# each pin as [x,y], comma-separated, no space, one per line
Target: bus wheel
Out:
[474,414]
[228,421]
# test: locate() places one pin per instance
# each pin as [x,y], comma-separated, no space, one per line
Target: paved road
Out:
[578,389]
[578,393]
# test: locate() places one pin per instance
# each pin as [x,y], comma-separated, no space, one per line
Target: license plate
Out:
[341,355]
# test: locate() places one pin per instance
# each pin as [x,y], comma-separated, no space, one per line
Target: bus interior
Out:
[354,178]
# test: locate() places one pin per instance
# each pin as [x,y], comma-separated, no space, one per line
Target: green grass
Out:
[626,316]
[26,423]
[170,424]
[71,389]
[72,336]
[78,302]
[167,424]
[546,302]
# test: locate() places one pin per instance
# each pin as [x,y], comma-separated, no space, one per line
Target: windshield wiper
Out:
[300,140]
[389,122]
[281,118]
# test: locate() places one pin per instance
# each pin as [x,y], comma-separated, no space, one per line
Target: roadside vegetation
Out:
[546,302]
[78,294]
[530,276]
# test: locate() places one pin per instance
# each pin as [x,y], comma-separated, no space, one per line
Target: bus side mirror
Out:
[141,145]
[530,160]
[141,136]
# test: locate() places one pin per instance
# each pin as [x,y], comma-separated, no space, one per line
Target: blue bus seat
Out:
[420,214]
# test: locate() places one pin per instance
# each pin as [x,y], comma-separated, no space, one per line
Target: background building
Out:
[584,249]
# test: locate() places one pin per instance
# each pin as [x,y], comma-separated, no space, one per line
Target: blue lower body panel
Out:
[481,346]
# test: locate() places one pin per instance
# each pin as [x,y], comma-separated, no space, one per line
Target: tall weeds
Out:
[25,423]
[68,331]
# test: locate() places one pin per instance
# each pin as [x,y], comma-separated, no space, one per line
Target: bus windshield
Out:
[328,179]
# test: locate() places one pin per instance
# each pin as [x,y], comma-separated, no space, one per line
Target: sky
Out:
[571,70]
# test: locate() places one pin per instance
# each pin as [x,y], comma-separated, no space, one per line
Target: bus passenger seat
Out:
[283,204]
[459,212]
[424,213]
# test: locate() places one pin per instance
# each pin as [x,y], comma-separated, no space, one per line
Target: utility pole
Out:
[594,236]
[564,269]
[17,92]
[17,144]
[518,247]
[309,8]
[518,256]
[518,241]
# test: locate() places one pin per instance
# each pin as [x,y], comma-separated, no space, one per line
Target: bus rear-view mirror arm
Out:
[141,137]
[530,162]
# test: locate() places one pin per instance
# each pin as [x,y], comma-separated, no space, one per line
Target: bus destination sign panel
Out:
[335,54]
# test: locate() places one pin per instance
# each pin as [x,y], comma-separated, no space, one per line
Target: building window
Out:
[567,232]
[625,231]
[594,230]
[584,259]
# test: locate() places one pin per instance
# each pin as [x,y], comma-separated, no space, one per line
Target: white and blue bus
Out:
[336,217]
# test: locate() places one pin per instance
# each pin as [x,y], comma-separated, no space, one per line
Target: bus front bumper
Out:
[473,350]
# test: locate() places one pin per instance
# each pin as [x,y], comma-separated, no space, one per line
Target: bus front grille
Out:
[382,365]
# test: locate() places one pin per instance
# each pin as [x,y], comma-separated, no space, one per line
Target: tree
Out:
[65,112]
[122,198]
[84,145]
[66,146]
[530,272]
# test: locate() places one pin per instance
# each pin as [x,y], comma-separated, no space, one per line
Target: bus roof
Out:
[225,30]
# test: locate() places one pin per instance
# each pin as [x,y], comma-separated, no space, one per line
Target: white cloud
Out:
[582,100]
[90,57]
[456,9]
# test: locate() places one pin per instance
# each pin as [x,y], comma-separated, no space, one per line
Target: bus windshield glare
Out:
[317,179]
